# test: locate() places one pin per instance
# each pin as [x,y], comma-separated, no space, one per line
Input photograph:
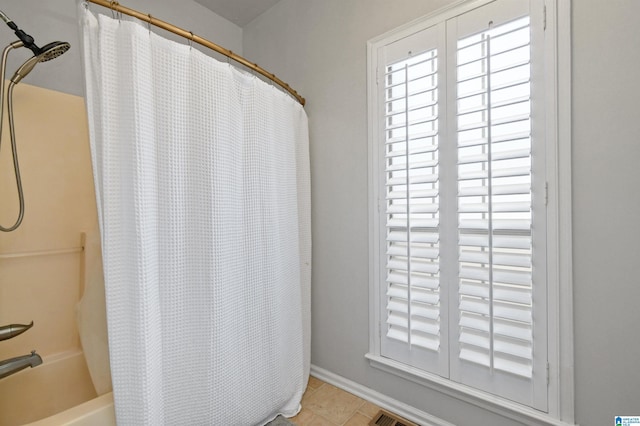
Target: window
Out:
[463,234]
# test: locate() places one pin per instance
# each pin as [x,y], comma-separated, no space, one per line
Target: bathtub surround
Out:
[40,262]
[201,174]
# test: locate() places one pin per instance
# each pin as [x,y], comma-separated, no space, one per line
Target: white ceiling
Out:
[240,12]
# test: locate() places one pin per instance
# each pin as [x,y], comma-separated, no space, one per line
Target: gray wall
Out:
[51,20]
[606,208]
[319,47]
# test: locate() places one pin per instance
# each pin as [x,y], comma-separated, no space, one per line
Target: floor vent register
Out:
[384,418]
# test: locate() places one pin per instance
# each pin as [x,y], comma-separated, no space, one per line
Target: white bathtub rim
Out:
[86,413]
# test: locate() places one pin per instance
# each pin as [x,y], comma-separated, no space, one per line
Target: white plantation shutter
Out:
[463,256]
[493,346]
[412,270]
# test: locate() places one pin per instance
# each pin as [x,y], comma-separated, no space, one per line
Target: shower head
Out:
[53,50]
[46,53]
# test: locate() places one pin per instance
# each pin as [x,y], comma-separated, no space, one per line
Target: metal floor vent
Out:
[384,418]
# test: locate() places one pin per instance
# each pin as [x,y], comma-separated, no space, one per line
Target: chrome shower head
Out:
[46,53]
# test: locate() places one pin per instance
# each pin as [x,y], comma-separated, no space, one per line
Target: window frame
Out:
[559,251]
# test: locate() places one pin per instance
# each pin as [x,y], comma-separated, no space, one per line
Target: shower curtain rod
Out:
[115,6]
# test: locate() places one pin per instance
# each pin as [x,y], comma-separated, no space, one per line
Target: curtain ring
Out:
[149,22]
[114,13]
[191,41]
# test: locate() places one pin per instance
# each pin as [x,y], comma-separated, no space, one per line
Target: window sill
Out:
[489,402]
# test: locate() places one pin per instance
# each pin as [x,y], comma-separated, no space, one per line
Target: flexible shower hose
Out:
[16,166]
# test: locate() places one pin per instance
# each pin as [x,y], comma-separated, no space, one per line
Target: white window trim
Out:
[560,279]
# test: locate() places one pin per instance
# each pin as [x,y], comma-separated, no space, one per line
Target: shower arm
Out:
[16,167]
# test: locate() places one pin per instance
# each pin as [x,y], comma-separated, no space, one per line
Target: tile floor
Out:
[326,405]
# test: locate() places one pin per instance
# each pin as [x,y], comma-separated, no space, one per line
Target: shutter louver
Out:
[412,209]
[495,199]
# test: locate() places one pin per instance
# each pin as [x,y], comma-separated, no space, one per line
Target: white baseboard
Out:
[382,401]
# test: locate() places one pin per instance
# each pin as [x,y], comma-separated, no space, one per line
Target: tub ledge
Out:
[96,412]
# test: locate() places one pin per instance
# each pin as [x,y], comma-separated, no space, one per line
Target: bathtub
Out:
[58,392]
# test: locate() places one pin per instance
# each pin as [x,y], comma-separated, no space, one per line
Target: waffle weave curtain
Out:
[202,185]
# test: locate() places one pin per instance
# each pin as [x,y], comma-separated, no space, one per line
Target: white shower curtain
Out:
[202,181]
